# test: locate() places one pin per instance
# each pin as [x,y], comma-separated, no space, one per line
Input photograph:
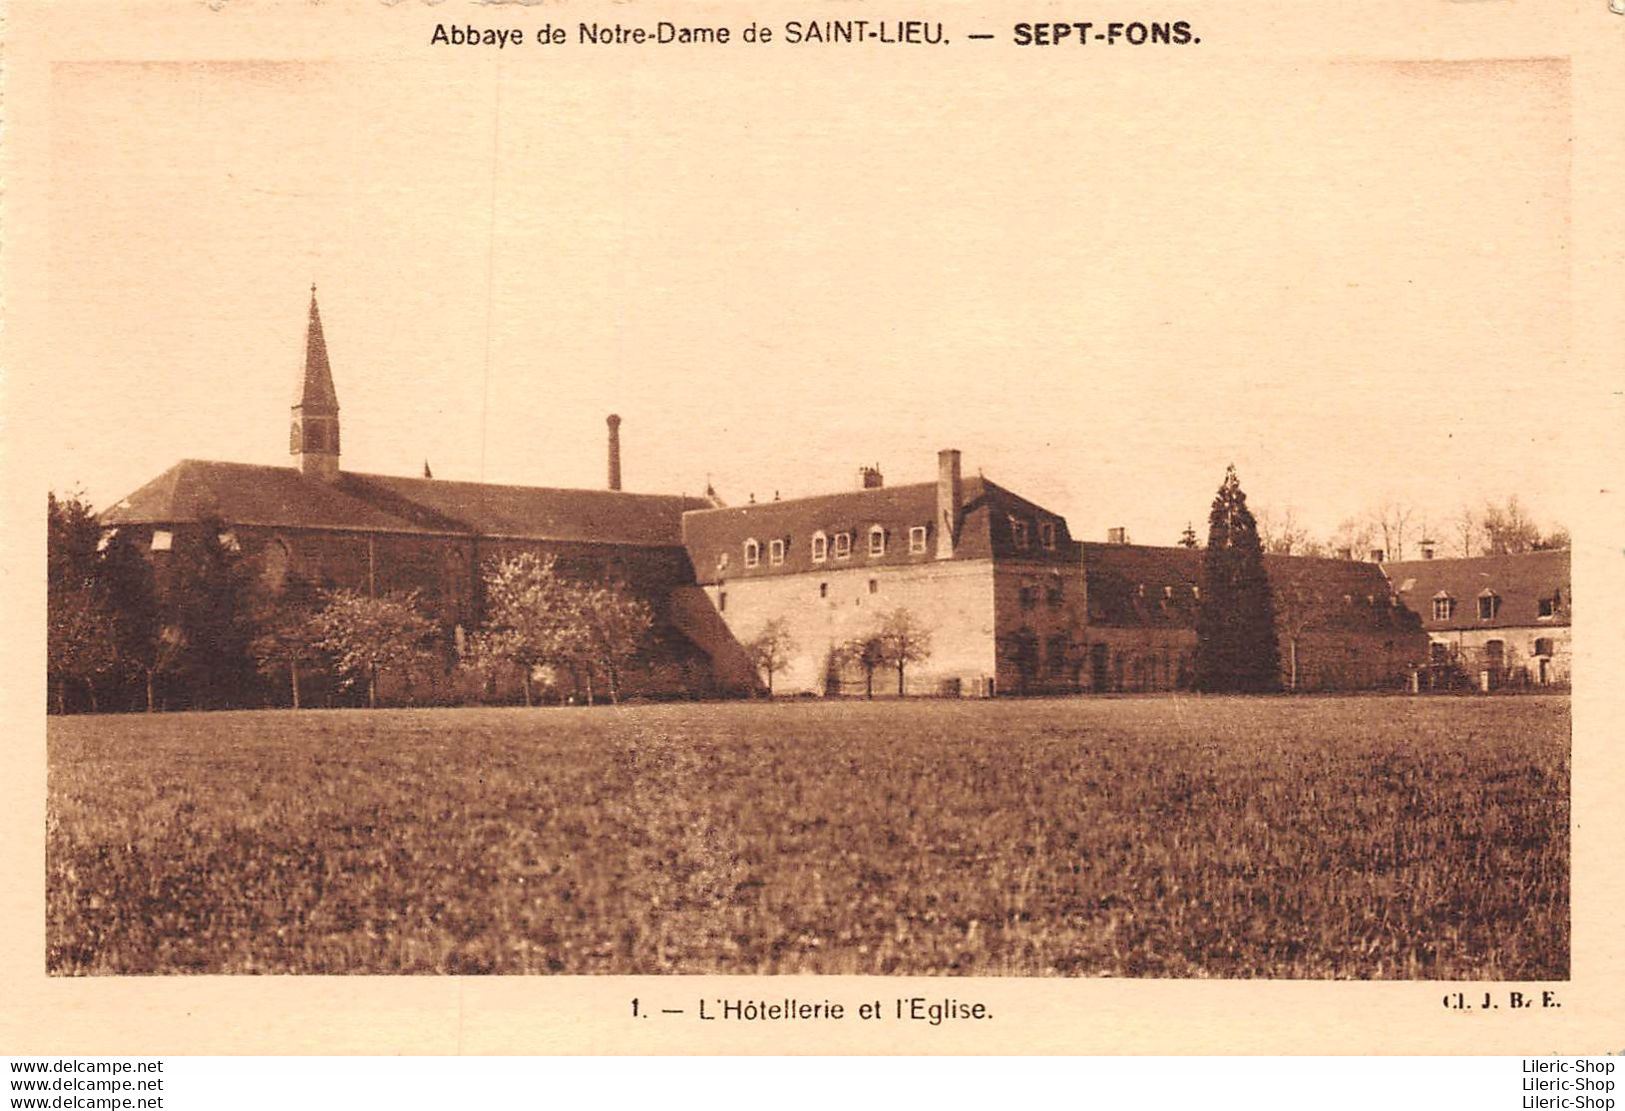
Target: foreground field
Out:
[1411,838]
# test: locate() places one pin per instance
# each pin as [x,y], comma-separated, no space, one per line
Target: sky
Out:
[1102,283]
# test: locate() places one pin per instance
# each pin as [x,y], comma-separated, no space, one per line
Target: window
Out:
[1055,655]
[1056,592]
[1018,531]
[1543,646]
[916,540]
[874,586]
[1444,607]
[1489,604]
[753,553]
[228,541]
[1029,595]
[722,600]
[107,538]
[1549,606]
[722,561]
[162,540]
[775,552]
[843,545]
[1046,534]
[823,590]
[877,541]
[820,547]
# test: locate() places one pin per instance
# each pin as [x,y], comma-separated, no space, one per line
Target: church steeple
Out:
[314,440]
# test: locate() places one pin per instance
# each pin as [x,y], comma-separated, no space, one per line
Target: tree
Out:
[79,625]
[1187,539]
[903,640]
[612,625]
[1280,533]
[1465,525]
[1392,521]
[209,602]
[864,651]
[1557,538]
[1236,648]
[1354,536]
[287,635]
[1508,529]
[770,650]
[537,617]
[147,644]
[528,618]
[371,636]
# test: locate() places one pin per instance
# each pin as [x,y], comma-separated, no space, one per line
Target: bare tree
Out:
[1392,521]
[1465,526]
[770,650]
[1353,536]
[903,641]
[1281,533]
[1508,528]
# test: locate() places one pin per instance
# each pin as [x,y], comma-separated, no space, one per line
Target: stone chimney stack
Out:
[950,500]
[870,478]
[614,423]
[1428,549]
[1117,536]
[1378,555]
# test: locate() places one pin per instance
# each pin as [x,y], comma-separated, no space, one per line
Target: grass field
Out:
[1336,837]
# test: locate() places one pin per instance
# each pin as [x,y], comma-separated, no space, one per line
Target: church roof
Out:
[984,531]
[1521,582]
[282,497]
[316,392]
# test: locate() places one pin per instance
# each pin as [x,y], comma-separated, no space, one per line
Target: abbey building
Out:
[1008,598]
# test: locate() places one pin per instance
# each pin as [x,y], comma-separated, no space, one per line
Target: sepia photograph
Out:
[529,501]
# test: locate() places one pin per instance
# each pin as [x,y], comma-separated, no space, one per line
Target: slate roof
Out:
[984,529]
[1520,581]
[282,497]
[1135,586]
[316,393]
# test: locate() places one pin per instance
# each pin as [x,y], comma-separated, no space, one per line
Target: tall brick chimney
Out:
[614,423]
[950,498]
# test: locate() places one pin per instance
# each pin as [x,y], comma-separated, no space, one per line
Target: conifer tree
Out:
[1236,649]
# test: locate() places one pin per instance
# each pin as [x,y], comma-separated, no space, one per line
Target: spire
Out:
[314,440]
[317,394]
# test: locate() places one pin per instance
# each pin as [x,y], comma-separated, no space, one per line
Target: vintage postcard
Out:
[627,527]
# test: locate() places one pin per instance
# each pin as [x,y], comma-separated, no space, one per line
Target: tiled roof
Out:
[251,494]
[534,512]
[1521,582]
[1135,585]
[984,529]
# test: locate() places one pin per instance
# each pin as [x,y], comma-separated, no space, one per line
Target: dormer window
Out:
[843,545]
[916,540]
[877,541]
[1018,531]
[820,547]
[1489,604]
[753,553]
[1550,605]
[775,552]
[1444,607]
[1046,535]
